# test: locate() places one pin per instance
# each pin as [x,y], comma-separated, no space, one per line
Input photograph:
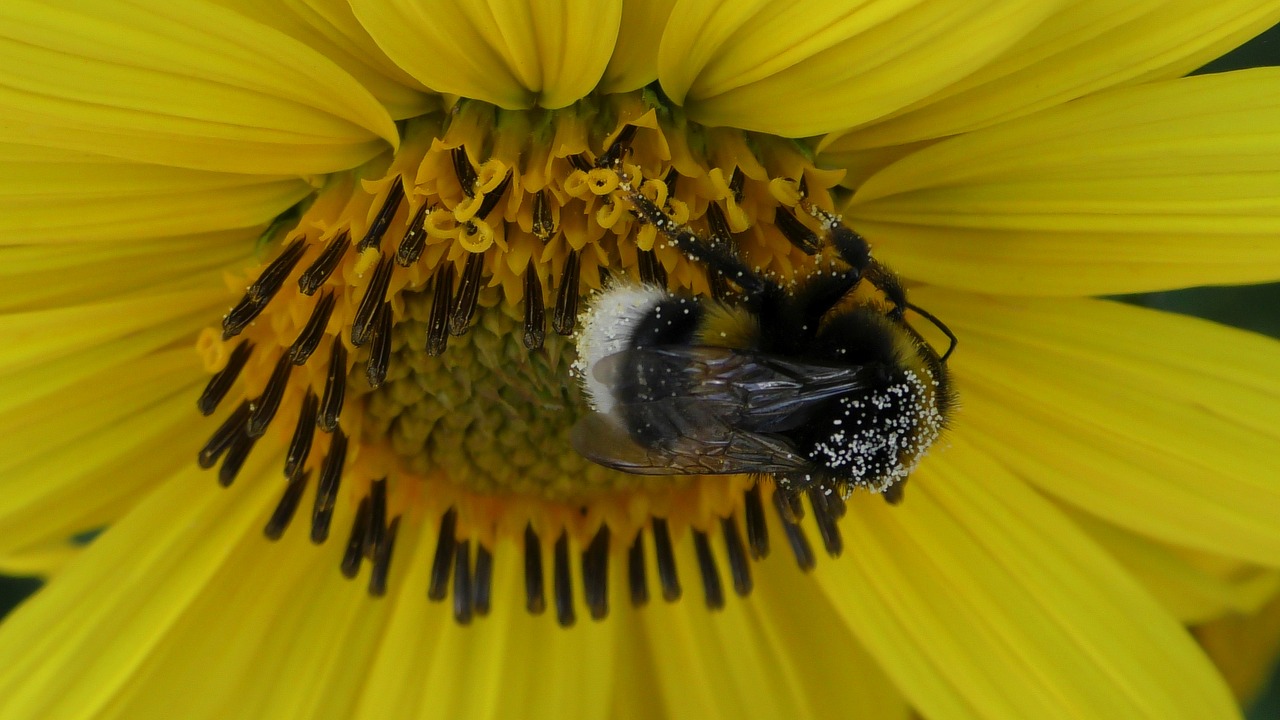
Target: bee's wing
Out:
[715,449]
[751,391]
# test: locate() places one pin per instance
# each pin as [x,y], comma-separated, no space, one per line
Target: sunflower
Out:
[332,256]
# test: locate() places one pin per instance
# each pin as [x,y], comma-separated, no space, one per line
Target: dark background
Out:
[1254,308]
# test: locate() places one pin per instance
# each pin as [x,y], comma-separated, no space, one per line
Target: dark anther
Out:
[789,505]
[580,162]
[309,339]
[222,380]
[636,578]
[288,505]
[563,584]
[239,317]
[651,270]
[739,565]
[835,501]
[374,294]
[313,277]
[795,231]
[464,303]
[376,532]
[415,238]
[737,182]
[442,563]
[303,432]
[375,371]
[327,487]
[721,235]
[718,224]
[595,574]
[620,146]
[482,581]
[222,437]
[465,172]
[544,224]
[712,589]
[354,554]
[795,536]
[826,521]
[535,314]
[438,320]
[670,179]
[463,602]
[239,449]
[757,527]
[492,197]
[666,557]
[269,282]
[535,598]
[566,312]
[335,387]
[378,227]
[382,560]
[265,406]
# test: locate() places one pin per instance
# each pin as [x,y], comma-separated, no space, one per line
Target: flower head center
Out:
[409,341]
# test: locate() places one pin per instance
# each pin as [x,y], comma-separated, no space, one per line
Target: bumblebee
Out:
[810,384]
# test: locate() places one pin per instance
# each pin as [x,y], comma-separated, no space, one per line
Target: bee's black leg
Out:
[889,284]
[718,258]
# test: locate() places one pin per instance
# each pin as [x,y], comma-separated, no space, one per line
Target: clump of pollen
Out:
[405,343]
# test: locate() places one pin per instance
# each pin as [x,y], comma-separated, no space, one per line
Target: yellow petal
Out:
[1245,648]
[63,657]
[330,28]
[40,277]
[40,560]
[1163,424]
[1190,592]
[300,620]
[981,600]
[120,200]
[635,57]
[1086,47]
[756,657]
[804,68]
[77,286]
[799,620]
[45,335]
[508,53]
[190,85]
[508,665]
[1143,188]
[133,424]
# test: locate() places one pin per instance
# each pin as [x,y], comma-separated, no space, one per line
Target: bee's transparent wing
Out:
[750,391]
[711,449]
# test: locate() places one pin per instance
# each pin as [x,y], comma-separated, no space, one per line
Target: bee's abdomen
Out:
[671,321]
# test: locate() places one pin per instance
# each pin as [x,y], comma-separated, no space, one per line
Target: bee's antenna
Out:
[938,324]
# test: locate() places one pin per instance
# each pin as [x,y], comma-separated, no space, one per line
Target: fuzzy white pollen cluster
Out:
[906,423]
[606,328]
